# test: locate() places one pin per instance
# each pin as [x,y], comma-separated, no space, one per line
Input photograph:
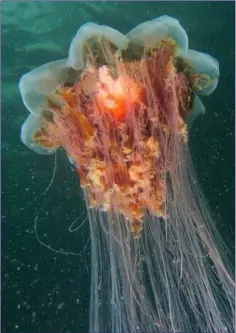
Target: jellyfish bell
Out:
[208,67]
[121,107]
[88,32]
[31,126]
[152,32]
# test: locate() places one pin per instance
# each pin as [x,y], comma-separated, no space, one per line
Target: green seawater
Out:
[45,291]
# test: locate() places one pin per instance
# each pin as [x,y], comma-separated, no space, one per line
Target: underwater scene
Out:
[118,167]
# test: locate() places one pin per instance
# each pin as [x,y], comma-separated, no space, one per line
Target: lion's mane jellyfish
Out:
[121,107]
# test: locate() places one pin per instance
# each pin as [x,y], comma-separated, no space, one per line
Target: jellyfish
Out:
[121,107]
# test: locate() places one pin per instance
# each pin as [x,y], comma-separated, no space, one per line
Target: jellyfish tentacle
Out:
[123,120]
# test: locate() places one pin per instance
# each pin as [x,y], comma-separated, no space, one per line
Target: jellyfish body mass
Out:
[121,107]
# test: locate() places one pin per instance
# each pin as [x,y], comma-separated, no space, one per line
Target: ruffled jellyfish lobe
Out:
[39,84]
[29,127]
[91,30]
[197,109]
[150,33]
[202,63]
